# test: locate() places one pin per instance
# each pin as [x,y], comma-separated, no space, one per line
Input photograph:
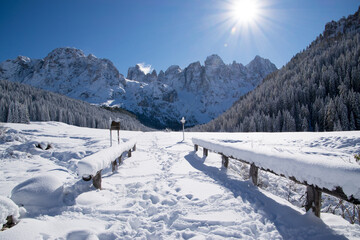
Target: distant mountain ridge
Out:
[198,92]
[318,90]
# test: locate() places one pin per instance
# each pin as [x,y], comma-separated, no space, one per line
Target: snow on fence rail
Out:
[91,166]
[339,179]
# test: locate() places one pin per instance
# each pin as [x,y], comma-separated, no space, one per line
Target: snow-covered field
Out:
[164,191]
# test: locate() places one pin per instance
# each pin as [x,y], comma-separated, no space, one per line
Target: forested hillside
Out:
[318,90]
[20,103]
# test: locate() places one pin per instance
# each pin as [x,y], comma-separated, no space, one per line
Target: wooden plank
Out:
[129,153]
[119,158]
[224,160]
[97,180]
[9,223]
[115,126]
[339,193]
[254,174]
[114,166]
[134,148]
[313,200]
[205,152]
[196,147]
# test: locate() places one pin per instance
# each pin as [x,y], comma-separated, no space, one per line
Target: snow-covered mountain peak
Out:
[91,56]
[214,61]
[22,59]
[138,73]
[65,53]
[135,73]
[261,65]
[173,69]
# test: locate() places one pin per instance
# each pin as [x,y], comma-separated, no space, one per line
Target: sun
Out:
[244,11]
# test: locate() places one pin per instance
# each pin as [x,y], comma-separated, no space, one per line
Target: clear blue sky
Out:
[164,32]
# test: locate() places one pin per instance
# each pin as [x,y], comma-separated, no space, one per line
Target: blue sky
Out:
[164,32]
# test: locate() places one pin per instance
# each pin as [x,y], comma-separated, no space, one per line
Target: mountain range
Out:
[198,92]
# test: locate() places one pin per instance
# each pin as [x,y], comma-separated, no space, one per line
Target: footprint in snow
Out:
[189,196]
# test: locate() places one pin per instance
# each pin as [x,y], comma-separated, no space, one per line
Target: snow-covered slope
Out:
[198,92]
[164,191]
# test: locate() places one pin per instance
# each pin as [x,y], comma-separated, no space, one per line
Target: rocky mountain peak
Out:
[135,73]
[65,53]
[261,65]
[214,61]
[344,25]
[22,59]
[173,69]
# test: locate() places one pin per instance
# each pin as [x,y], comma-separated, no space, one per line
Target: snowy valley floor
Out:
[164,191]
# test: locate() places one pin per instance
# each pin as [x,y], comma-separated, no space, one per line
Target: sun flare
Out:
[244,11]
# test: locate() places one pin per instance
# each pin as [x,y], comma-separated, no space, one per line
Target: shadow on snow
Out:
[287,220]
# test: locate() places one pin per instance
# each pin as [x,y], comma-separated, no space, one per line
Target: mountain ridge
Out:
[198,92]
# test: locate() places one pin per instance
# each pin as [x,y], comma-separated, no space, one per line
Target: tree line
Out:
[20,103]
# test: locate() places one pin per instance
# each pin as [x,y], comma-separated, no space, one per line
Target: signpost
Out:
[183,123]
[114,126]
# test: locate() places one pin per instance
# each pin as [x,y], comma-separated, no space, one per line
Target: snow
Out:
[92,164]
[8,208]
[164,191]
[320,170]
[40,192]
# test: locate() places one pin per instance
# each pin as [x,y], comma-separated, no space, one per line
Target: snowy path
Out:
[179,196]
[164,191]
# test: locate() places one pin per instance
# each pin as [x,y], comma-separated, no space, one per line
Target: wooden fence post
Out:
[129,153]
[313,200]
[114,166]
[205,152]
[196,147]
[120,159]
[225,160]
[134,148]
[254,174]
[9,223]
[97,180]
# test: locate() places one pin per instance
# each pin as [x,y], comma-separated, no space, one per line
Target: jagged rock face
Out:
[199,93]
[344,25]
[17,69]
[68,71]
[135,73]
[259,67]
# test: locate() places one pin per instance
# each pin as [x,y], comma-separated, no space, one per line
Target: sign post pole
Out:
[183,123]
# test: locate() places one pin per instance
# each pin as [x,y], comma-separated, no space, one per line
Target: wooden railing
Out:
[90,168]
[313,199]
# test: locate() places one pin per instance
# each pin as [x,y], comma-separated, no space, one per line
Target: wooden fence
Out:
[313,198]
